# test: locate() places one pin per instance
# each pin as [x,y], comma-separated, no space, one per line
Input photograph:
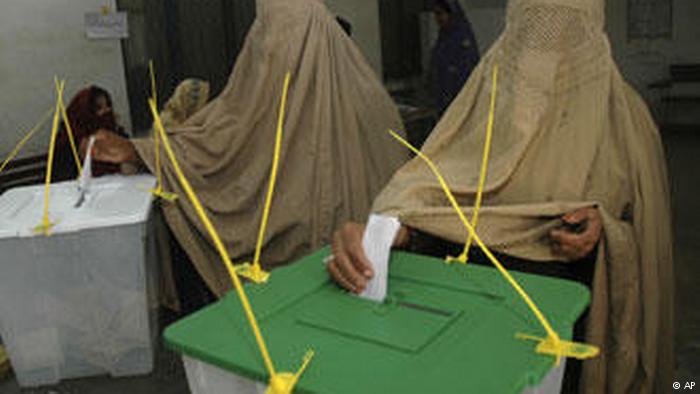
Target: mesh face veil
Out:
[552,46]
[553,57]
[550,52]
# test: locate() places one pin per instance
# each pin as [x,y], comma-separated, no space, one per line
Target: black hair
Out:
[95,93]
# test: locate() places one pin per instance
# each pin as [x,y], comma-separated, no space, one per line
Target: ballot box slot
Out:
[454,277]
[464,287]
[398,324]
[426,309]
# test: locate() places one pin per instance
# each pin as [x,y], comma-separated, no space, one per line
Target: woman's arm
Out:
[585,229]
[349,265]
[111,148]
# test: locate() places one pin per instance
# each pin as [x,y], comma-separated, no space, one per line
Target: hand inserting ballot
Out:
[579,235]
[349,266]
[111,148]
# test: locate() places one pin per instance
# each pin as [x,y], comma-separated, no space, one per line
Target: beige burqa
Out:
[336,155]
[569,132]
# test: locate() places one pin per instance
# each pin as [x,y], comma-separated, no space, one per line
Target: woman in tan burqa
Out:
[577,177]
[335,157]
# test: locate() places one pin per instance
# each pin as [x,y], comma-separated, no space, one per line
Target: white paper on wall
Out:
[111,25]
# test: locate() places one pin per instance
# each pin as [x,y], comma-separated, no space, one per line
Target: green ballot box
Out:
[443,329]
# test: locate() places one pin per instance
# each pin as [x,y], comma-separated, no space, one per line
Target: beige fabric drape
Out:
[569,133]
[189,97]
[336,154]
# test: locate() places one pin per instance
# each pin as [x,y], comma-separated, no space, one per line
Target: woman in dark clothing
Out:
[89,111]
[454,55]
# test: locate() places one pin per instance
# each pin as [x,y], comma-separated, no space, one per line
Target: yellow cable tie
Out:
[284,382]
[156,139]
[46,225]
[223,254]
[158,191]
[553,345]
[152,73]
[254,271]
[162,194]
[561,348]
[25,139]
[69,131]
[463,258]
[275,378]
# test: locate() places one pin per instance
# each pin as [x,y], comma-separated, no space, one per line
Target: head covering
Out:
[189,97]
[336,152]
[84,122]
[569,132]
[454,56]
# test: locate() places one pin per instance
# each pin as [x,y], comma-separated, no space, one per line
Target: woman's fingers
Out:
[595,224]
[358,259]
[350,267]
[576,216]
[576,246]
[350,272]
[103,149]
[339,278]
[112,148]
[572,246]
[352,234]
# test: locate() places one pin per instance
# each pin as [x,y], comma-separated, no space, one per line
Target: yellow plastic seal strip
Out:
[484,168]
[152,74]
[46,225]
[58,111]
[37,127]
[280,383]
[27,137]
[254,271]
[552,344]
[284,382]
[158,191]
[69,131]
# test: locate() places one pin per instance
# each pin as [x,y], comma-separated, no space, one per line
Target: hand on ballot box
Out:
[350,267]
[112,148]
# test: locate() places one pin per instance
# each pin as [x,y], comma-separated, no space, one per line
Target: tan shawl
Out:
[569,133]
[336,155]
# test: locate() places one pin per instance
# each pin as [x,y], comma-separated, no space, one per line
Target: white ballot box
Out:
[81,301]
[205,378]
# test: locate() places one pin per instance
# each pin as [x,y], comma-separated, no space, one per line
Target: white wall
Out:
[364,17]
[43,38]
[641,62]
[487,22]
[646,61]
[486,17]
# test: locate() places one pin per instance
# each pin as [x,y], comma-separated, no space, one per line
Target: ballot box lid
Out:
[108,201]
[443,328]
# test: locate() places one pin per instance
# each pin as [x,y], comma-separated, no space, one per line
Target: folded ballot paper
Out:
[377,241]
[86,174]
